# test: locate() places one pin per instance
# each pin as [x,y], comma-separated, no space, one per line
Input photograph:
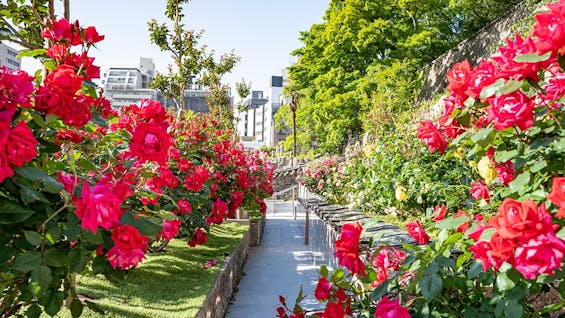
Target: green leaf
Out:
[52,185]
[487,233]
[484,136]
[76,308]
[532,57]
[370,276]
[380,291]
[559,145]
[34,311]
[12,212]
[520,181]
[505,155]
[54,257]
[510,86]
[98,120]
[53,235]
[145,226]
[337,275]
[29,195]
[324,271]
[41,276]
[32,174]
[452,223]
[432,268]
[48,147]
[561,234]
[538,166]
[87,164]
[32,53]
[33,238]
[491,89]
[430,286]
[27,261]
[503,282]
[475,269]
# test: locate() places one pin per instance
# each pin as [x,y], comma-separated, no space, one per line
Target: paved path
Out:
[281,264]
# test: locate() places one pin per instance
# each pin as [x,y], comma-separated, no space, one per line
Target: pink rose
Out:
[98,206]
[540,255]
[387,308]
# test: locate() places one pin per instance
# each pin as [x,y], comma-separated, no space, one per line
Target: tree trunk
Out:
[67,9]
[293,133]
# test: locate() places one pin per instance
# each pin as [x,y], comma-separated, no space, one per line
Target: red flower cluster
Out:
[198,238]
[524,237]
[387,308]
[557,195]
[385,261]
[347,248]
[98,206]
[129,247]
[416,230]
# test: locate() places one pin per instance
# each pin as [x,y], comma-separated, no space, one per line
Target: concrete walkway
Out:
[281,264]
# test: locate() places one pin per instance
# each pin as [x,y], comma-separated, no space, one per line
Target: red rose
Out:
[540,255]
[505,172]
[458,77]
[184,207]
[21,146]
[480,190]
[416,230]
[68,135]
[65,78]
[429,133]
[219,210]
[347,248]
[509,68]
[170,229]
[512,109]
[521,220]
[323,289]
[15,90]
[91,36]
[150,143]
[129,247]
[557,194]
[482,76]
[334,310]
[98,206]
[550,29]
[198,238]
[5,169]
[387,308]
[60,30]
[439,212]
[196,180]
[52,100]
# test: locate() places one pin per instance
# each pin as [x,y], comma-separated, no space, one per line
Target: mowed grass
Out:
[168,284]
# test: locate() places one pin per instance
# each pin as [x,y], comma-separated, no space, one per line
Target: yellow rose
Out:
[472,164]
[486,170]
[400,194]
[459,153]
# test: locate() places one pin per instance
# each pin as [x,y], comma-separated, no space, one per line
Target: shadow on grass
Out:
[168,284]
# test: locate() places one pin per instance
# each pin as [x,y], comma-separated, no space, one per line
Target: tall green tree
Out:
[187,54]
[358,41]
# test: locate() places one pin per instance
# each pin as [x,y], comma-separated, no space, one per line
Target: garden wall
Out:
[478,47]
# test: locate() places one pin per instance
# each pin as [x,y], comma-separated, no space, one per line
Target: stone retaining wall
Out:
[218,298]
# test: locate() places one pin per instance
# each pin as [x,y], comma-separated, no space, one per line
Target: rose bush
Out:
[87,189]
[499,251]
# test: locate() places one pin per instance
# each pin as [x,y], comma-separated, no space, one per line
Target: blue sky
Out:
[262,32]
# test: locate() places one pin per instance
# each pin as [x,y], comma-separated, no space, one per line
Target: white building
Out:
[8,57]
[127,85]
[255,124]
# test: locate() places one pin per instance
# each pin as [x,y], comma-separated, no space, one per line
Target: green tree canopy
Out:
[360,39]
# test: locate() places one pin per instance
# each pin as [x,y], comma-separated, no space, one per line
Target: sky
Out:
[261,32]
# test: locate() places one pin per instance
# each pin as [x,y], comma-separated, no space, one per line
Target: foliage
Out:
[499,253]
[85,188]
[176,280]
[357,42]
[187,56]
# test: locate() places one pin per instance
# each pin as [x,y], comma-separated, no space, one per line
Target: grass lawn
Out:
[168,284]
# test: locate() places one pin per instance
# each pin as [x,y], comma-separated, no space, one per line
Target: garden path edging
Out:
[218,299]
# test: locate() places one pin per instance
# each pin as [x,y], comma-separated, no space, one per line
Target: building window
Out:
[12,53]
[12,62]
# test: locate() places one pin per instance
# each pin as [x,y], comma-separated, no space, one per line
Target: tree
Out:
[188,56]
[358,41]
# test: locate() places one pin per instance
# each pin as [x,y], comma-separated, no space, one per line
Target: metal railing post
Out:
[293,204]
[307,228]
